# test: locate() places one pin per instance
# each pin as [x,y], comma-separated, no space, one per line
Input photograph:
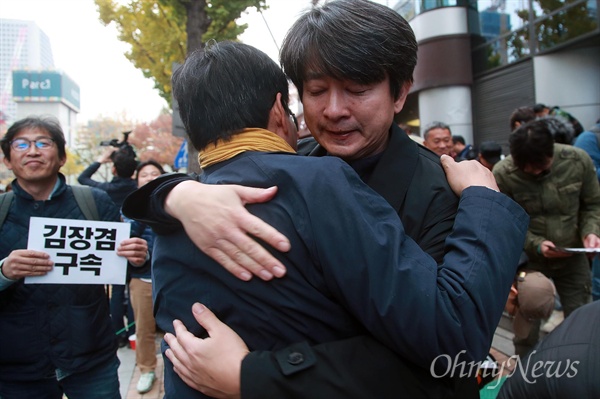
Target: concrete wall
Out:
[451,105]
[571,80]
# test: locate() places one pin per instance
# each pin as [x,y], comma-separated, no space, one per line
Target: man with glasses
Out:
[56,338]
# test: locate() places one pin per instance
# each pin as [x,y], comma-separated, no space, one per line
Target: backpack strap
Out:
[5,200]
[83,196]
[85,200]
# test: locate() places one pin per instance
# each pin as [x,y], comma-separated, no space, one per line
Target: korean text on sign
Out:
[83,252]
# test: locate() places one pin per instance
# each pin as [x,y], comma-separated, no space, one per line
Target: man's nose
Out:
[32,150]
[336,105]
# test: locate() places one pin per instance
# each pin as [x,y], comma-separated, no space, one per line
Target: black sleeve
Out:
[565,364]
[85,177]
[146,204]
[358,367]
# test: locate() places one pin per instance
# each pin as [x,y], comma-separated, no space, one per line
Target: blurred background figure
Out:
[520,116]
[438,138]
[542,110]
[572,351]
[556,184]
[140,289]
[589,141]
[462,150]
[490,153]
[121,185]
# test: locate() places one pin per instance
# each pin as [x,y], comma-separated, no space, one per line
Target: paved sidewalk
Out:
[129,376]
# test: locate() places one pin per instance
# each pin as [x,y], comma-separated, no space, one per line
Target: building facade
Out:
[23,45]
[29,84]
[479,60]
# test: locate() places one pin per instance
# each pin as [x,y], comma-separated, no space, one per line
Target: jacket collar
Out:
[59,188]
[394,171]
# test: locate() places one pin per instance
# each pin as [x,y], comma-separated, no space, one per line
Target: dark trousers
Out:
[101,382]
[120,307]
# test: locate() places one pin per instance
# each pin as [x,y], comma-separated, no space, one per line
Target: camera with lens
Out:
[123,146]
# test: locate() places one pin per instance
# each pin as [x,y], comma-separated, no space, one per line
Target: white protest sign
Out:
[83,251]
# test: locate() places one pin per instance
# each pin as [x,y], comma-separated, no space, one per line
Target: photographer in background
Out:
[122,184]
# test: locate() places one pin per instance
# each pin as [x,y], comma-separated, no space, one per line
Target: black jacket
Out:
[411,179]
[50,326]
[117,189]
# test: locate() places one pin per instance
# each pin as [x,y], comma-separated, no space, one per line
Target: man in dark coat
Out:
[349,258]
[349,119]
[56,338]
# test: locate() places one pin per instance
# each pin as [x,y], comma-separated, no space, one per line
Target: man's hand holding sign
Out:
[76,252]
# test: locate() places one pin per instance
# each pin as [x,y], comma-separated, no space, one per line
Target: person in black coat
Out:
[133,208]
[565,364]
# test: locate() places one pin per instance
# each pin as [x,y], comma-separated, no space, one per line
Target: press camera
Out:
[123,146]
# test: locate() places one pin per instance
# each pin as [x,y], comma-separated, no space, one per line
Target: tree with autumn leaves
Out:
[163,32]
[152,140]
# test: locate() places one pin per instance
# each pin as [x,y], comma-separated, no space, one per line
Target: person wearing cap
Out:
[535,301]
[490,154]
[557,186]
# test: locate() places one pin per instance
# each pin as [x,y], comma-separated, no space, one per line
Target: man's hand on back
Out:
[215,219]
[465,174]
[211,365]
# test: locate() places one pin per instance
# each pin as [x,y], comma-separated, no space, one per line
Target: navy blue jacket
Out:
[45,327]
[352,269]
[142,230]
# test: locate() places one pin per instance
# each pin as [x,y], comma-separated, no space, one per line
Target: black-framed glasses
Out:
[41,143]
[294,119]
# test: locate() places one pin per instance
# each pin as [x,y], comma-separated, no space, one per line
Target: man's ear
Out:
[7,163]
[401,99]
[278,117]
[281,124]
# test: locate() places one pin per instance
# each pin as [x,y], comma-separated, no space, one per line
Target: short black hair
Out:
[533,142]
[225,88]
[357,40]
[458,139]
[124,164]
[521,115]
[152,162]
[46,123]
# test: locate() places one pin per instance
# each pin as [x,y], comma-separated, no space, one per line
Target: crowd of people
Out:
[351,263]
